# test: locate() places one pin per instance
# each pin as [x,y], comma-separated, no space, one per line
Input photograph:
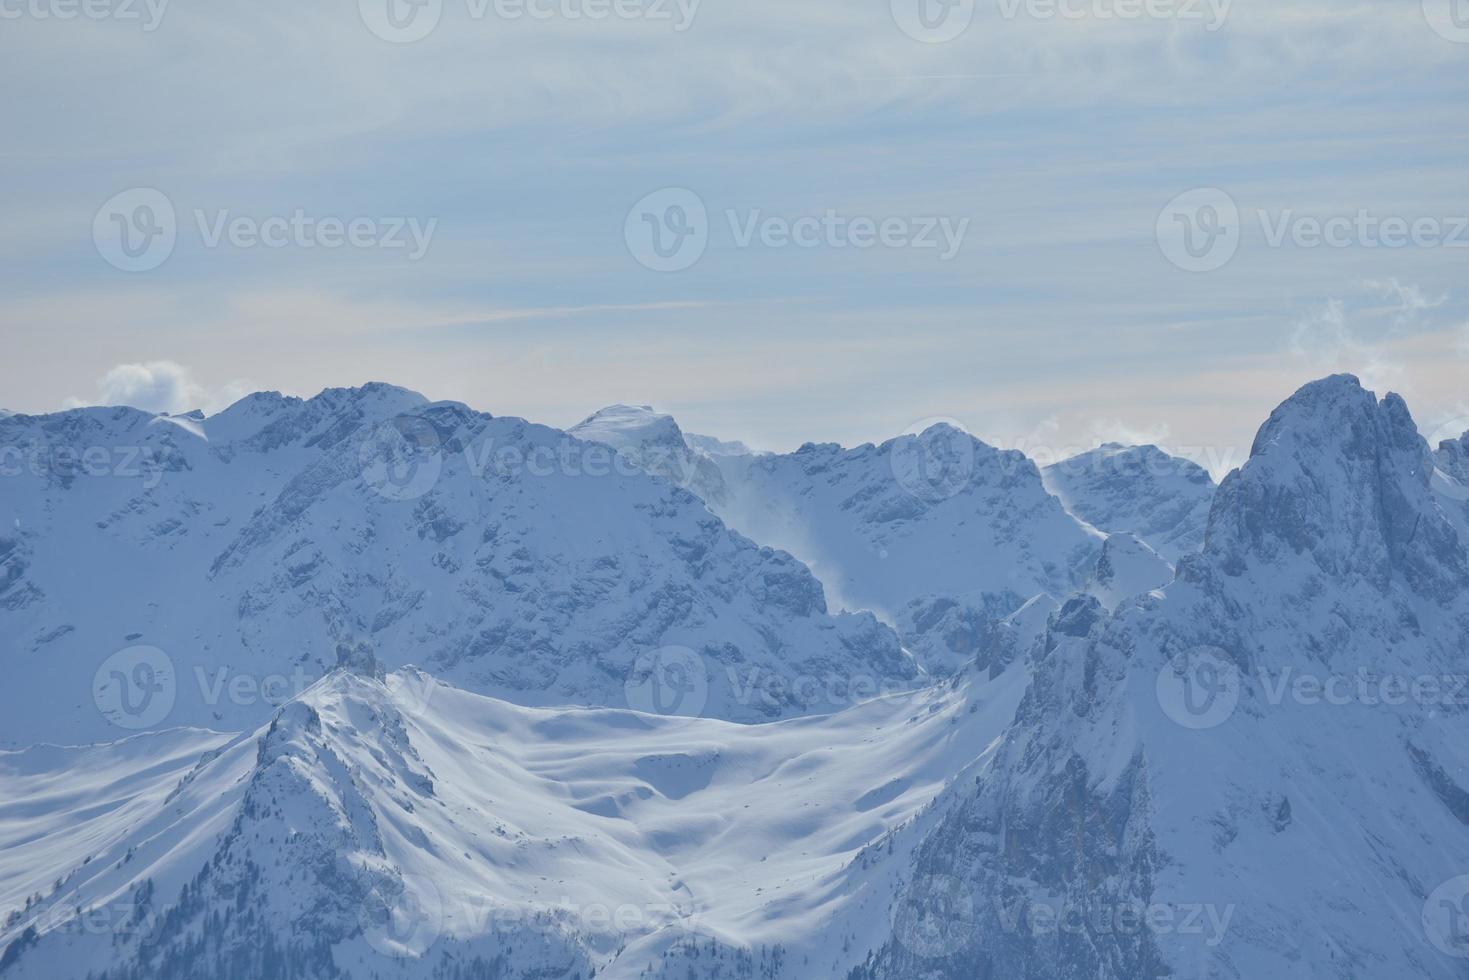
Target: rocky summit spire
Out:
[1337,483]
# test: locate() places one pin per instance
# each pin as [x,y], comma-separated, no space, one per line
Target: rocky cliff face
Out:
[1213,782]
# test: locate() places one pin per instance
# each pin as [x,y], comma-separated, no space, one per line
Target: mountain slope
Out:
[1214,781]
[1163,500]
[390,826]
[218,562]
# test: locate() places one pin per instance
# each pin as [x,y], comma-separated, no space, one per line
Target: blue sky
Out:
[523,144]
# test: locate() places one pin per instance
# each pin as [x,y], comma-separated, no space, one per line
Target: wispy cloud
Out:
[159,386]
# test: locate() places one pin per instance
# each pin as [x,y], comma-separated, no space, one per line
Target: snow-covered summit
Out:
[1240,750]
[509,557]
[1338,482]
[1141,490]
[717,447]
[653,442]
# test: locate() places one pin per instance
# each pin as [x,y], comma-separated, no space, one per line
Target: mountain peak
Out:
[621,426]
[1342,478]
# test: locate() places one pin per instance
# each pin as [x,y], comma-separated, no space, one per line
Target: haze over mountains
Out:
[920,709]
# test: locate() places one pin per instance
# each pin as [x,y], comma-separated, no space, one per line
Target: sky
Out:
[1055,222]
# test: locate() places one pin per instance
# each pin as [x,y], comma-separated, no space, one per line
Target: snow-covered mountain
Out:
[1259,772]
[938,533]
[937,514]
[381,825]
[653,442]
[1452,456]
[217,563]
[1162,500]
[717,447]
[1255,768]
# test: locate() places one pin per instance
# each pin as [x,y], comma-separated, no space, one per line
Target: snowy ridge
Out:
[1165,758]
[1251,765]
[937,533]
[1162,500]
[653,442]
[400,826]
[506,557]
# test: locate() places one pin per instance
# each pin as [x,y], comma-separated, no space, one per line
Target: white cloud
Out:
[1326,343]
[163,387]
